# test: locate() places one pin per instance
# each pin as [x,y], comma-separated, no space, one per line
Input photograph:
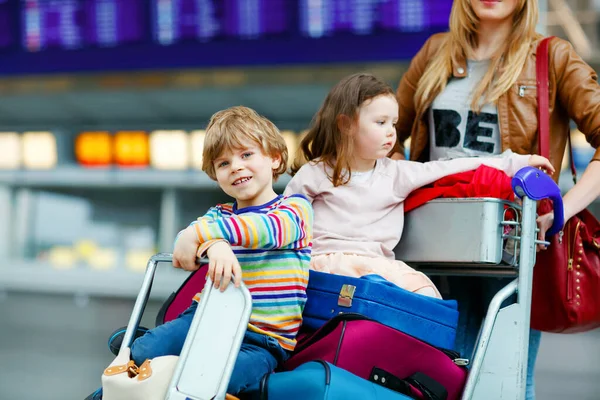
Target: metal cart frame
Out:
[499,366]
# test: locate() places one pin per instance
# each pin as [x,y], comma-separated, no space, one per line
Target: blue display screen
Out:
[87,35]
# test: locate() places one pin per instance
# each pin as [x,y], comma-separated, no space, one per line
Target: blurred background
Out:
[102,110]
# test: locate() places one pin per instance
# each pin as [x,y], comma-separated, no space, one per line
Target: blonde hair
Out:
[460,44]
[326,141]
[227,129]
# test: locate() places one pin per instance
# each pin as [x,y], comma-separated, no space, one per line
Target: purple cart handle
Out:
[538,185]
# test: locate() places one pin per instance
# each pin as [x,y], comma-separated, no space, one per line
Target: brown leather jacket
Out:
[574,94]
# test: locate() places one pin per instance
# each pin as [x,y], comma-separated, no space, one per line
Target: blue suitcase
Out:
[431,320]
[319,380]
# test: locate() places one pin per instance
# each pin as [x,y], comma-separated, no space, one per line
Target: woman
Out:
[472,91]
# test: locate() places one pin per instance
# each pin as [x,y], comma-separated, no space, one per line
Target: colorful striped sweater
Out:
[272,243]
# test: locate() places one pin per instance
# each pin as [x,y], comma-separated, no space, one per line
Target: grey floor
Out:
[54,348]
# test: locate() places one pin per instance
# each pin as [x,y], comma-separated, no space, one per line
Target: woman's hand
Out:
[544,222]
[541,162]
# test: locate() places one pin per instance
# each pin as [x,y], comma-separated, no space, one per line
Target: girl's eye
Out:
[381,122]
[246,155]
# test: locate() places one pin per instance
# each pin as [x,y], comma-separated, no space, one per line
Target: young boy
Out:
[261,238]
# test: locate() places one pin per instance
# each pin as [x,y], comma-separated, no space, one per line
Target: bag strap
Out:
[430,388]
[543,112]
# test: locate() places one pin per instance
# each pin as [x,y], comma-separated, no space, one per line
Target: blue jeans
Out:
[259,354]
[474,296]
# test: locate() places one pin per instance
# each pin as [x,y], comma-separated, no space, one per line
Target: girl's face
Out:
[494,10]
[375,132]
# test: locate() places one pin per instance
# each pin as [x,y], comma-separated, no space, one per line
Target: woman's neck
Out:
[491,37]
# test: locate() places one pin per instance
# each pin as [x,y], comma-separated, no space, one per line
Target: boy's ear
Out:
[276,161]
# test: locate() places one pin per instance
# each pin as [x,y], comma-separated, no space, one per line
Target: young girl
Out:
[358,193]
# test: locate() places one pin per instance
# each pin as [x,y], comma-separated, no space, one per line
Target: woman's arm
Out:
[579,93]
[584,192]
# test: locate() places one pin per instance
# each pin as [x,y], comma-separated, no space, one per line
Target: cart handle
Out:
[144,294]
[537,185]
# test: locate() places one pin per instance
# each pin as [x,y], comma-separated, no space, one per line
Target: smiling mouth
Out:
[241,180]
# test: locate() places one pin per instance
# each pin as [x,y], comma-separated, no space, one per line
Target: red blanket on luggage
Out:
[483,182]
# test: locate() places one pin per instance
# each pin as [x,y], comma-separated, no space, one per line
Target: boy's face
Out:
[246,174]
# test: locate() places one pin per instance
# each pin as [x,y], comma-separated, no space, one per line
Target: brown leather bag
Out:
[566,277]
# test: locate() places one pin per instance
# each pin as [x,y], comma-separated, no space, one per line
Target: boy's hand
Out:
[184,254]
[223,263]
[542,163]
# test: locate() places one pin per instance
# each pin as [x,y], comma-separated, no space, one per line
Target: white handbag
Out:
[123,380]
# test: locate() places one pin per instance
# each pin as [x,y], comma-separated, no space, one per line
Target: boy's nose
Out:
[236,165]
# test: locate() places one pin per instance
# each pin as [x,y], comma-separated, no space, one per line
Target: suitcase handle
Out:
[429,388]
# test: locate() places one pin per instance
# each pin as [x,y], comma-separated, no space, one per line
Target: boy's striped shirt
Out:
[272,243]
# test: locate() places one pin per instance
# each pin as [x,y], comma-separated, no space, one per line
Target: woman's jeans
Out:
[474,295]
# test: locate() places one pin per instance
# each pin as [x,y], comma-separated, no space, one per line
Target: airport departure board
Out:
[40,35]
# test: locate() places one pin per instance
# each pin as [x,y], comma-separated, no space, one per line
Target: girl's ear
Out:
[344,124]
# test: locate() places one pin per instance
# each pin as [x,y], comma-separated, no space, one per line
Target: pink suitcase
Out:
[377,352]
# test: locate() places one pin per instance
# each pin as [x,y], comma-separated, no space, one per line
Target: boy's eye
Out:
[381,122]
[247,154]
[222,164]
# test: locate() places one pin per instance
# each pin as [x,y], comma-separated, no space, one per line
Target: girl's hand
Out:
[542,163]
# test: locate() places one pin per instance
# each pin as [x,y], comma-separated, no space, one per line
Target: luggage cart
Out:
[467,237]
[205,364]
